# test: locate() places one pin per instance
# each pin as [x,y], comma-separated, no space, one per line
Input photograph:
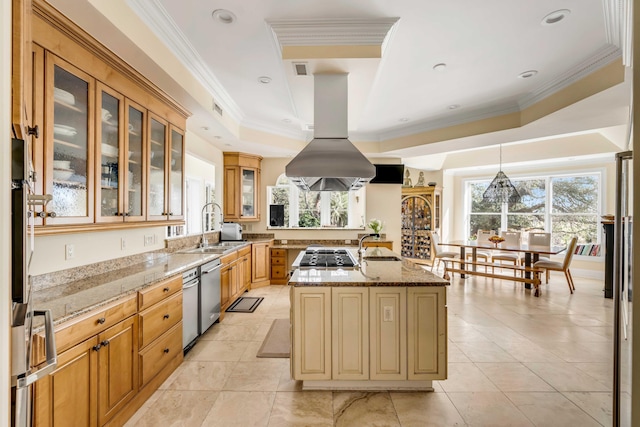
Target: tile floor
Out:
[514,360]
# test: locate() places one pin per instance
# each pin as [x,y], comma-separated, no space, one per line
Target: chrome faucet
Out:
[360,250]
[204,242]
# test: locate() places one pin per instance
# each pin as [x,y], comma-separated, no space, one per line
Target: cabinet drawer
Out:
[157,355]
[278,272]
[277,260]
[78,330]
[229,258]
[158,319]
[156,293]
[244,251]
[278,252]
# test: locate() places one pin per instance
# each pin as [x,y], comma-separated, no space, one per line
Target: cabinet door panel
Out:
[157,168]
[117,367]
[388,333]
[69,142]
[231,193]
[426,325]
[176,175]
[311,346]
[350,332]
[134,200]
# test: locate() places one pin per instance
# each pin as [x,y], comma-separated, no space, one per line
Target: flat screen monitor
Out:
[388,174]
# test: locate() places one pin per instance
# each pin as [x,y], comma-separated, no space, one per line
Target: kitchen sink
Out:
[230,243]
[382,258]
[207,250]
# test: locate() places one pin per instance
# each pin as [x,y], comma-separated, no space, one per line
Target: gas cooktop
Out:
[327,258]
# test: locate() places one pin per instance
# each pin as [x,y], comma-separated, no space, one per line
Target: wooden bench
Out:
[454,265]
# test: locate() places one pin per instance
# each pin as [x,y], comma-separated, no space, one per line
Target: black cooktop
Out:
[323,257]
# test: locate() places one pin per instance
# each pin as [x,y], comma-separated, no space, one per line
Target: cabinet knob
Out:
[126,214]
[170,213]
[166,290]
[166,350]
[101,320]
[166,316]
[42,214]
[52,214]
[96,347]
[104,343]
[35,131]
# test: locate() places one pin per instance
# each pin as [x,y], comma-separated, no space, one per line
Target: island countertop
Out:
[370,272]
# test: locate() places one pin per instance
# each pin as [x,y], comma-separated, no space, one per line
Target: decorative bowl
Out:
[496,239]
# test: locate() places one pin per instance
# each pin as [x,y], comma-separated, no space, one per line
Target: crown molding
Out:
[158,20]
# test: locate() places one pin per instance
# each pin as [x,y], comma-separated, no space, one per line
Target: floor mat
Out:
[277,343]
[245,305]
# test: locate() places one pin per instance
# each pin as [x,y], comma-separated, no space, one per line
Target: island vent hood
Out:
[330,162]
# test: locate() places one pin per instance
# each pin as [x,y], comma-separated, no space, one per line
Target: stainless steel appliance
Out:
[23,374]
[190,285]
[325,257]
[231,231]
[209,295]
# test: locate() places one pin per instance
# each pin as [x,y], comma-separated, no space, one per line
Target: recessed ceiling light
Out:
[205,128]
[527,74]
[217,137]
[440,67]
[453,106]
[555,17]
[227,145]
[224,16]
[286,120]
[403,119]
[264,79]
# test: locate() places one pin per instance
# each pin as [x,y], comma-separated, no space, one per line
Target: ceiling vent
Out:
[217,108]
[300,68]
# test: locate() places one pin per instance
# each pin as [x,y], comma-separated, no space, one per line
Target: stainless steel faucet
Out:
[360,251]
[204,242]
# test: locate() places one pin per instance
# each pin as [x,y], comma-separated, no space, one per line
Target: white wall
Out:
[5,213]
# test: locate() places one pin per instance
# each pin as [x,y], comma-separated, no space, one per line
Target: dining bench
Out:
[456,265]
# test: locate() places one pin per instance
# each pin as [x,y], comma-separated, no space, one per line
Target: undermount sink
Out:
[230,243]
[207,250]
[382,258]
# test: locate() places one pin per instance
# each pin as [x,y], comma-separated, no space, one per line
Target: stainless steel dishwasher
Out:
[209,294]
[190,282]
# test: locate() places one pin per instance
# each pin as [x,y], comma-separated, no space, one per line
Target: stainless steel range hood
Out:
[330,162]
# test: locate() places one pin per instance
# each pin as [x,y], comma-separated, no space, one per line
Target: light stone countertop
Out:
[369,273]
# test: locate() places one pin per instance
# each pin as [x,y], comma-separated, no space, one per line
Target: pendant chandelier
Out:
[501,189]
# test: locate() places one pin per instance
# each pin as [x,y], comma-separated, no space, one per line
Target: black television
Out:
[388,174]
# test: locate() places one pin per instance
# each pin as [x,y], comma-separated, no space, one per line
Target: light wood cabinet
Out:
[388,337]
[279,267]
[426,325]
[241,184]
[235,276]
[377,244]
[245,258]
[350,333]
[99,120]
[260,264]
[93,381]
[420,215]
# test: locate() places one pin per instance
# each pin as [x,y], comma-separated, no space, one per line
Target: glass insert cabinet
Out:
[241,181]
[420,215]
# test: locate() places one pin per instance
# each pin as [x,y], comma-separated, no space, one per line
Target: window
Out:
[316,209]
[565,205]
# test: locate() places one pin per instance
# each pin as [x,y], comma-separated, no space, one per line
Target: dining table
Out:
[531,252]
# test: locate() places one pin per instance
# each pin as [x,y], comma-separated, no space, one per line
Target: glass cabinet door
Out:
[176,176]
[68,172]
[157,167]
[248,184]
[133,196]
[109,131]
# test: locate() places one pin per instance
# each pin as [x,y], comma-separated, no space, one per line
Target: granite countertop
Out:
[369,273]
[81,296]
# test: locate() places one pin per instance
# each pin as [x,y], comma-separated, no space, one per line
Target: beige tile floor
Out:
[514,360]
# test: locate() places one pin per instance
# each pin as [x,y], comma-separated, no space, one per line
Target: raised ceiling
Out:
[399,105]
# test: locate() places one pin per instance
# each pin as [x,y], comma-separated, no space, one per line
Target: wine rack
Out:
[420,216]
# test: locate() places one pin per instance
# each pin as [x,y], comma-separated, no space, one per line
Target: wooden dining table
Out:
[531,252]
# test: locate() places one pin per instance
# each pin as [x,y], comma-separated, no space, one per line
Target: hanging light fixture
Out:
[501,189]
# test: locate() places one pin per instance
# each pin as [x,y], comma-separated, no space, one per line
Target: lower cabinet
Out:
[93,381]
[369,333]
[279,267]
[260,264]
[235,277]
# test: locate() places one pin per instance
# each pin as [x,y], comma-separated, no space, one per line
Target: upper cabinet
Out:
[241,184]
[111,149]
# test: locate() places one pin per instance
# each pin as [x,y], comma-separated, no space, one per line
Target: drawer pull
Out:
[101,320]
[96,347]
[104,343]
[166,350]
[166,316]
[166,289]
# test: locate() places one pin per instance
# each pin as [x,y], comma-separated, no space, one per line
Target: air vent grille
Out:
[300,68]
[308,126]
[217,108]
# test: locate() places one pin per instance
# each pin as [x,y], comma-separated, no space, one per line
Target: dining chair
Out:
[511,238]
[482,236]
[563,266]
[539,238]
[438,252]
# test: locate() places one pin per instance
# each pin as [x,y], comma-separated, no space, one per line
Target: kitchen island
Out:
[381,325]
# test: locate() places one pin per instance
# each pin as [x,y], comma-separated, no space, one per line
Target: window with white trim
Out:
[565,205]
[316,209]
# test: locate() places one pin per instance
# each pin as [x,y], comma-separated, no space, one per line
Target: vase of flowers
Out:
[376,226]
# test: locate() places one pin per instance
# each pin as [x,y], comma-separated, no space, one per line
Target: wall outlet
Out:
[283,241]
[388,314]
[149,240]
[123,244]
[347,241]
[69,251]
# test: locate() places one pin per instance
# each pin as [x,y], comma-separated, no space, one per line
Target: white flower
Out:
[376,225]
